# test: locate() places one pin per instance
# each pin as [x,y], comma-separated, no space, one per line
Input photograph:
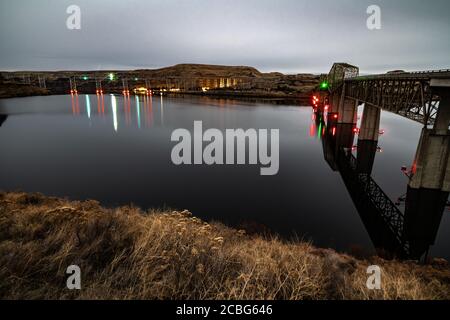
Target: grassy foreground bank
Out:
[125,253]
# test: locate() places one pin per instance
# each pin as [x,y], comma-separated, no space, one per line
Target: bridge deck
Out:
[419,75]
[410,94]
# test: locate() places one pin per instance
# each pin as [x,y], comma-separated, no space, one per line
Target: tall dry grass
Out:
[125,253]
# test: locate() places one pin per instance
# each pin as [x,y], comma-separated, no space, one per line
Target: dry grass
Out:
[124,253]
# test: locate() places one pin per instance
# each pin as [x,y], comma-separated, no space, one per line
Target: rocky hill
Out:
[202,70]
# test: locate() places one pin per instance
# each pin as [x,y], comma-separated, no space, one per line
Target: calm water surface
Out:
[88,147]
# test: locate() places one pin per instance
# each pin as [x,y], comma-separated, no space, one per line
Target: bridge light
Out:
[324,85]
[111,76]
[85,78]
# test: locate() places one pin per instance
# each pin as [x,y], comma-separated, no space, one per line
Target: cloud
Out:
[286,35]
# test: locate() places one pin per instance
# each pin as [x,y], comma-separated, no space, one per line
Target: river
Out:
[118,151]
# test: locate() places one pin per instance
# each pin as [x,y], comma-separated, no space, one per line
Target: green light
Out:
[324,85]
[85,78]
[111,76]
[136,79]
[319,132]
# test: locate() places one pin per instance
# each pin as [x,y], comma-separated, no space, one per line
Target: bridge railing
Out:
[412,75]
[430,71]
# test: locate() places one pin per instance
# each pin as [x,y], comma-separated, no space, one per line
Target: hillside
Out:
[202,70]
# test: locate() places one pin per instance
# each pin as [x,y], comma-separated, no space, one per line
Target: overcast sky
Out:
[291,36]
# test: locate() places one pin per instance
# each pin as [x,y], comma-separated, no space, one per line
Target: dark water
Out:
[87,149]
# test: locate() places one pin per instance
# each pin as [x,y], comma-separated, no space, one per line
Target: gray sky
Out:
[290,36]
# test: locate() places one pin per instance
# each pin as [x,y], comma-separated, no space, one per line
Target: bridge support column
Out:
[443,116]
[429,187]
[334,101]
[432,163]
[368,139]
[431,169]
[370,123]
[348,109]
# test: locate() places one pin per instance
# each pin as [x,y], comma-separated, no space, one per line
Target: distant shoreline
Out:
[194,79]
[29,91]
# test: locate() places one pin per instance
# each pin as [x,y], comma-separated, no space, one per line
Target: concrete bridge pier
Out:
[370,123]
[368,139]
[431,168]
[429,187]
[334,102]
[348,110]
[443,116]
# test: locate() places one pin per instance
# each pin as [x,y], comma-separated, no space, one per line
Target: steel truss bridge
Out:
[410,94]
[422,97]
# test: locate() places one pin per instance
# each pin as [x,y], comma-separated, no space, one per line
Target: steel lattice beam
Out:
[407,93]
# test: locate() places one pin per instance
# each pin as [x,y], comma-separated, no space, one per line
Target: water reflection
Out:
[126,99]
[162,111]
[101,104]
[149,104]
[88,106]
[75,104]
[141,106]
[114,112]
[138,112]
[394,233]
[3,118]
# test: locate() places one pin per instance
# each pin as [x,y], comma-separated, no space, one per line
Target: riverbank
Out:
[20,90]
[256,96]
[278,99]
[125,253]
